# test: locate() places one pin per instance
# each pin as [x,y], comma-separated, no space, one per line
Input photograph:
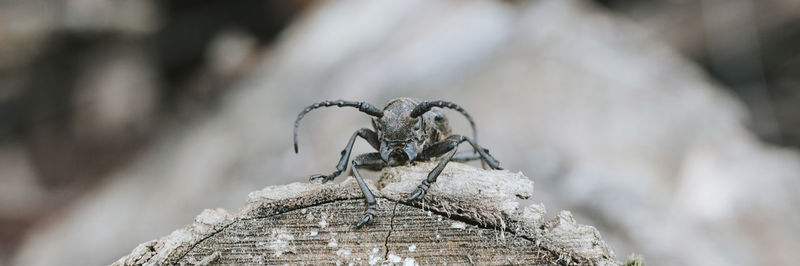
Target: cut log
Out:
[469,216]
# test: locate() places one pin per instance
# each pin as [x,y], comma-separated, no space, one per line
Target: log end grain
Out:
[469,216]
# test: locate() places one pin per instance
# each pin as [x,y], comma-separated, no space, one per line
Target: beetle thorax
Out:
[397,125]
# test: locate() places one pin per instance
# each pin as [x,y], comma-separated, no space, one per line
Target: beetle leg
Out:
[370,161]
[483,152]
[448,147]
[422,188]
[466,156]
[440,148]
[370,136]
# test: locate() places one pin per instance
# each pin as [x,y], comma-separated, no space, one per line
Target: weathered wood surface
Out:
[470,216]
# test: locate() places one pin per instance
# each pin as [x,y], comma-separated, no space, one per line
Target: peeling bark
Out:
[470,216]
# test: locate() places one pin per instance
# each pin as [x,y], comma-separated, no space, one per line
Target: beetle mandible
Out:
[407,130]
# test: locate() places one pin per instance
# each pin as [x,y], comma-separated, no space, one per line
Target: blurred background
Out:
[673,126]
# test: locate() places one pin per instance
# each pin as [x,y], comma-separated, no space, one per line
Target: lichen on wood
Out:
[469,216]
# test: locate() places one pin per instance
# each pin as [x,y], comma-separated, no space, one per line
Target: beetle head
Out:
[400,134]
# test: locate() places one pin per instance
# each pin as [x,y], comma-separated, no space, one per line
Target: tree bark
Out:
[469,216]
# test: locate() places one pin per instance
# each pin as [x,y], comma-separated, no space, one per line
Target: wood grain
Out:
[469,217]
[324,234]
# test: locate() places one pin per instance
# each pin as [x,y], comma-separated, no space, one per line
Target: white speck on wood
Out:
[332,243]
[373,256]
[458,225]
[343,252]
[280,242]
[392,258]
[322,223]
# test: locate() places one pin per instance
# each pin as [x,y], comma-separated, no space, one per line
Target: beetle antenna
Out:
[424,107]
[364,107]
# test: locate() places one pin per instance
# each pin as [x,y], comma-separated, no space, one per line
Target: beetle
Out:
[407,130]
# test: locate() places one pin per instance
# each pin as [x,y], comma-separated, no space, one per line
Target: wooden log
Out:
[469,216]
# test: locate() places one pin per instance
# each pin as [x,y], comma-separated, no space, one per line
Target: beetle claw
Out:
[367,219]
[324,178]
[418,193]
[494,164]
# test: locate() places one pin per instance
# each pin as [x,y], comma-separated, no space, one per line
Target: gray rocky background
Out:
[671,126]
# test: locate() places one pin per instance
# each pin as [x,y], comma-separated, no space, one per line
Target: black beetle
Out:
[406,130]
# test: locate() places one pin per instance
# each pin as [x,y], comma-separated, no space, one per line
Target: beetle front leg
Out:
[370,161]
[448,148]
[370,136]
[422,188]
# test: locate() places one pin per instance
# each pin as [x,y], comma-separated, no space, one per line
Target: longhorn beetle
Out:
[407,130]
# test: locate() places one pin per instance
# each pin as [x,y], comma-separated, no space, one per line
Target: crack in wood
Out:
[391,228]
[203,239]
